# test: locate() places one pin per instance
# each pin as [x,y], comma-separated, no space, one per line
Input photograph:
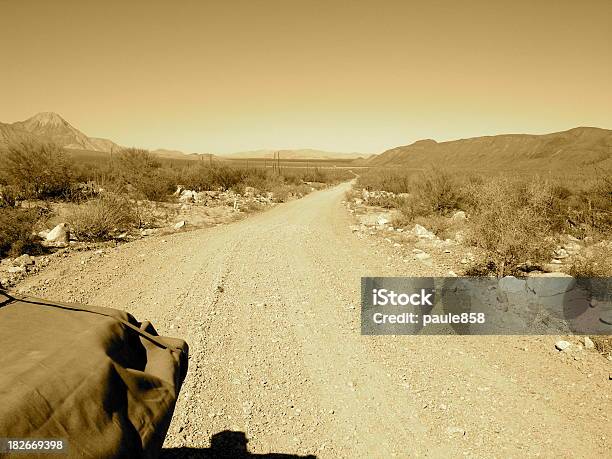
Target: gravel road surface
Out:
[270,308]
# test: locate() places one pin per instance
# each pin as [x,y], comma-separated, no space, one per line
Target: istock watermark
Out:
[485,306]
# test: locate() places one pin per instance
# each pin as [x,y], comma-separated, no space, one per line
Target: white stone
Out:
[60,233]
[180,225]
[562,345]
[588,343]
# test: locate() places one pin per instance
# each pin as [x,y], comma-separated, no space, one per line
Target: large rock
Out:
[59,234]
[188,196]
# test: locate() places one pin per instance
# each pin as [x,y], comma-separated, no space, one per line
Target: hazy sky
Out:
[227,75]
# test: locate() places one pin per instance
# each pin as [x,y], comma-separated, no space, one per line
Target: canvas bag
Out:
[94,377]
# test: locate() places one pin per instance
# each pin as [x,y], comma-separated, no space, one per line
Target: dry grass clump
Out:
[102,217]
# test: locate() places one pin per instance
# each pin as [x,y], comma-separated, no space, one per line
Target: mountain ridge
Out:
[578,146]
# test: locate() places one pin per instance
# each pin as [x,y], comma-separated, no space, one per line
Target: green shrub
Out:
[37,170]
[100,218]
[16,227]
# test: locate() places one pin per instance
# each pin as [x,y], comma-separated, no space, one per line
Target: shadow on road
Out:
[225,444]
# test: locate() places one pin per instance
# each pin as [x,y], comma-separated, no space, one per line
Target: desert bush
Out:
[36,170]
[228,177]
[588,211]
[281,193]
[434,191]
[438,191]
[509,222]
[596,262]
[387,201]
[9,196]
[16,231]
[143,171]
[99,218]
[393,180]
[603,344]
[135,161]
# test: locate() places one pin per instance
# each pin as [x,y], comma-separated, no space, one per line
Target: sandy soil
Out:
[270,308]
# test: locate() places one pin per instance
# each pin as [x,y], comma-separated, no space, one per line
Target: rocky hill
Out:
[51,127]
[580,146]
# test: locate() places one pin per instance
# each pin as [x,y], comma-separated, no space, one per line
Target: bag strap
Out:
[154,339]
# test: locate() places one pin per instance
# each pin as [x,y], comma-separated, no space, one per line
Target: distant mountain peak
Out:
[51,127]
[48,118]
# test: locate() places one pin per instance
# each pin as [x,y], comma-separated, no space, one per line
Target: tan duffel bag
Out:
[95,378]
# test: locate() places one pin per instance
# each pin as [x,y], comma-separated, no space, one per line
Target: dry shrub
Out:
[603,344]
[509,221]
[596,262]
[587,211]
[141,170]
[387,202]
[36,170]
[393,180]
[438,191]
[281,193]
[100,218]
[16,227]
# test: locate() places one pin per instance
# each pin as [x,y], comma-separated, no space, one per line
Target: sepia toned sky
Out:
[230,75]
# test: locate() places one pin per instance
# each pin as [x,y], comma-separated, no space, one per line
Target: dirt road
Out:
[270,308]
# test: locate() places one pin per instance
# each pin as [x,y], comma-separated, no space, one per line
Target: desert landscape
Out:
[231,172]
[292,371]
